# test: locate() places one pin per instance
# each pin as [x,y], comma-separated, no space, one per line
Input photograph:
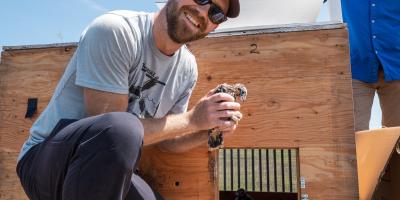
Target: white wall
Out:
[330,11]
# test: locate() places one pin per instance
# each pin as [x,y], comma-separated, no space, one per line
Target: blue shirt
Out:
[374,31]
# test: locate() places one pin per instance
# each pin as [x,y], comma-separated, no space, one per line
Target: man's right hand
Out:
[215,111]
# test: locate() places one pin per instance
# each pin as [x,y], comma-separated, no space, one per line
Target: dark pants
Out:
[93,158]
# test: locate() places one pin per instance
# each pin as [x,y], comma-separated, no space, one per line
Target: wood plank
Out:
[27,74]
[329,171]
[299,96]
[10,188]
[24,74]
[178,176]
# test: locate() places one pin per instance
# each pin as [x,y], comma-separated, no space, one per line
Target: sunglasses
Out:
[215,13]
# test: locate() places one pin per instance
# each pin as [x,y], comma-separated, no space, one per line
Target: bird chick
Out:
[238,92]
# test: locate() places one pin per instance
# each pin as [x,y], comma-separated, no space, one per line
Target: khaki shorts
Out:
[389,97]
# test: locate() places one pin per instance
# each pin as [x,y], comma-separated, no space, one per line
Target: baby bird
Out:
[238,92]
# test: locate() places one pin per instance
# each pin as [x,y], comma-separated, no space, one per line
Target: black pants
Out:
[93,158]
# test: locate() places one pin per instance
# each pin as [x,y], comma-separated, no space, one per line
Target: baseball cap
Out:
[234,9]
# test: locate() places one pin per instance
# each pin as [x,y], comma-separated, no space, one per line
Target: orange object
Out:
[378,163]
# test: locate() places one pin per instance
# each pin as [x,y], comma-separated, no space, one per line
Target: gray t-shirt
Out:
[117,53]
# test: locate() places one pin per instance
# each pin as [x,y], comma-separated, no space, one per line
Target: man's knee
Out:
[124,132]
[124,127]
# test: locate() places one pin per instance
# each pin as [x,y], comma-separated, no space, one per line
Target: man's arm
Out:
[184,143]
[188,129]
[208,113]
[189,141]
[98,102]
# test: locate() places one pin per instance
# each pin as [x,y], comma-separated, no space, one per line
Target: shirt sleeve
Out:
[105,54]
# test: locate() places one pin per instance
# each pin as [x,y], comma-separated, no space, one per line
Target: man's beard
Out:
[178,30]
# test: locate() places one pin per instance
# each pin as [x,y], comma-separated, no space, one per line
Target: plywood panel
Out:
[10,188]
[290,91]
[28,73]
[299,96]
[328,171]
[180,176]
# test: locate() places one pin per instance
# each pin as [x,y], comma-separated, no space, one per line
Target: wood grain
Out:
[10,188]
[299,97]
[29,73]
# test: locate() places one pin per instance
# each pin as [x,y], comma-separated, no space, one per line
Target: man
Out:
[84,145]
[375,58]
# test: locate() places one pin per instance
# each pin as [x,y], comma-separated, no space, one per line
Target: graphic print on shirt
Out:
[147,105]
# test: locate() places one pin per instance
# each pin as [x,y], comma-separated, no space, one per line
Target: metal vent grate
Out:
[258,170]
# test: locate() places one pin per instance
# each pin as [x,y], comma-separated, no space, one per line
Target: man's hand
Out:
[215,111]
[212,111]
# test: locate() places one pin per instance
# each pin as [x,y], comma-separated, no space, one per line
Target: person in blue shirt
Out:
[374,32]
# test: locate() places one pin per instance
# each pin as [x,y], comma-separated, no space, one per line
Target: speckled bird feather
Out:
[238,92]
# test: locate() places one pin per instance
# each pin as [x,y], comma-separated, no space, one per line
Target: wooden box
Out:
[300,97]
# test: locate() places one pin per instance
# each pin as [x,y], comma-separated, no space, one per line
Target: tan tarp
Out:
[374,148]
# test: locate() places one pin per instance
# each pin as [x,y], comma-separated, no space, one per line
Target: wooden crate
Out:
[300,96]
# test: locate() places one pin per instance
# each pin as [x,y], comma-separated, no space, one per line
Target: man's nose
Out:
[204,10]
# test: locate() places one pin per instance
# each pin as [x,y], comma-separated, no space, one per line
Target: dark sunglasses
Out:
[215,13]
